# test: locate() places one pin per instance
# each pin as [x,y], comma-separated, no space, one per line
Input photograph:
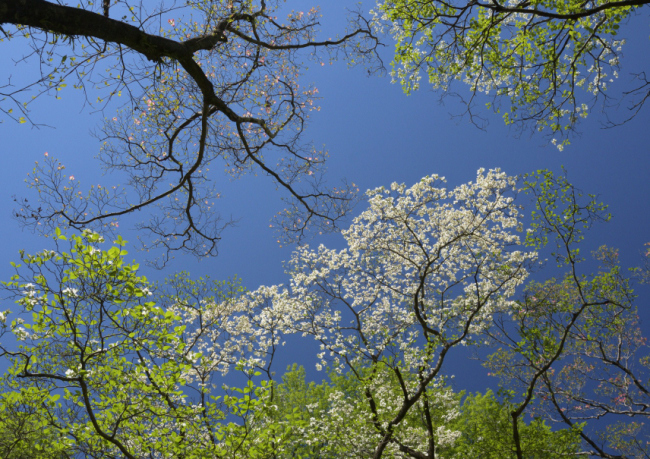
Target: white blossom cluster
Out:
[229,333]
[423,262]
[425,269]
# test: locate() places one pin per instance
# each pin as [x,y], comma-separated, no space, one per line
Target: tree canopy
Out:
[545,64]
[110,365]
[114,367]
[100,362]
[203,87]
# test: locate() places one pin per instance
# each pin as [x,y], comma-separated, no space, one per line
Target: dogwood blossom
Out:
[425,269]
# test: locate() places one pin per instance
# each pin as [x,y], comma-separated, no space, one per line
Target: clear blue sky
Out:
[375,135]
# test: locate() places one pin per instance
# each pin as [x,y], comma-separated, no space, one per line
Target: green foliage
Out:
[101,370]
[482,424]
[105,364]
[486,429]
[25,430]
[572,348]
[543,61]
[559,212]
[630,438]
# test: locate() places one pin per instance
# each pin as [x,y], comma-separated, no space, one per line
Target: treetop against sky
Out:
[205,116]
[122,366]
[211,86]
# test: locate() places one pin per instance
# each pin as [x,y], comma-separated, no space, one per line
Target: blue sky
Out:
[375,135]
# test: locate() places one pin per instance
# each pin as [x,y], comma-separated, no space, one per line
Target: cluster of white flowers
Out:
[418,260]
[71,292]
[29,295]
[19,331]
[92,236]
[425,267]
[231,333]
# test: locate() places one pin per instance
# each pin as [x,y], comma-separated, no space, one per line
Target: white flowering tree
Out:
[425,270]
[543,63]
[108,365]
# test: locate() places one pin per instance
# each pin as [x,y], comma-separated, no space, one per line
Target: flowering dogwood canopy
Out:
[543,63]
[107,362]
[425,270]
[110,365]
